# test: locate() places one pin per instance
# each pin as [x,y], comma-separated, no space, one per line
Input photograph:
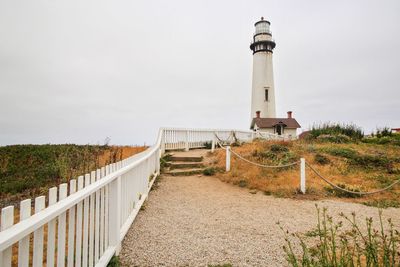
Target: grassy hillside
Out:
[29,170]
[357,164]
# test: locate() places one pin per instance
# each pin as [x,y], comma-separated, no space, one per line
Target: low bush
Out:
[321,159]
[264,155]
[393,139]
[331,245]
[347,153]
[280,155]
[25,167]
[340,193]
[114,262]
[383,203]
[164,161]
[383,132]
[207,145]
[352,131]
[383,180]
[210,171]
[277,148]
[288,157]
[361,160]
[371,161]
[242,183]
[337,139]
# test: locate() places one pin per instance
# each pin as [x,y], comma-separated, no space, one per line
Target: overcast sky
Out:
[78,71]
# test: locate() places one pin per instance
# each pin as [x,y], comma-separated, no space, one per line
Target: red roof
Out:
[271,122]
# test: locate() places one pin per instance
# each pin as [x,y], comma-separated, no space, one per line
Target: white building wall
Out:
[292,132]
[286,132]
[263,78]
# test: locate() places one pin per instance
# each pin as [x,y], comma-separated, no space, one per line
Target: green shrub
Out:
[210,171]
[383,132]
[351,130]
[340,193]
[359,160]
[242,183]
[337,139]
[384,140]
[164,161]
[288,157]
[331,245]
[321,159]
[379,139]
[383,180]
[207,145]
[114,262]
[383,203]
[264,155]
[371,161]
[347,153]
[24,167]
[277,148]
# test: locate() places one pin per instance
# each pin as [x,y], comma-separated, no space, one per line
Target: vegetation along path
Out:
[199,221]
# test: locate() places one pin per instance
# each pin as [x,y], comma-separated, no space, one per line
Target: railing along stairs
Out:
[86,220]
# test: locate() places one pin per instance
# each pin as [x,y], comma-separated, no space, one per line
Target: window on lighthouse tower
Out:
[266,94]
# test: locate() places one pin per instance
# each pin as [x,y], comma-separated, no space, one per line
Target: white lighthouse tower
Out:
[263,91]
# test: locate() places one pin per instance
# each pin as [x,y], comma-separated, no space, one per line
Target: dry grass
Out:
[355,175]
[106,156]
[114,153]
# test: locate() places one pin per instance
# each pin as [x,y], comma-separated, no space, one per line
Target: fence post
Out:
[303,175]
[228,158]
[213,145]
[187,141]
[7,220]
[114,214]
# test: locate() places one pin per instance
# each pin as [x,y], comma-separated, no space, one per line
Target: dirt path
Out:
[196,221]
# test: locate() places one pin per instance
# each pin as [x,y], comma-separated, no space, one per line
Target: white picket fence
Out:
[86,220]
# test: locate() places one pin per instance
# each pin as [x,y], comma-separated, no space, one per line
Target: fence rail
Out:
[86,220]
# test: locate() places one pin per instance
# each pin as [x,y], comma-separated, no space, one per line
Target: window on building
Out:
[279,129]
[266,94]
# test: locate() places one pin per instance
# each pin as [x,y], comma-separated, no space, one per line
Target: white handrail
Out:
[117,191]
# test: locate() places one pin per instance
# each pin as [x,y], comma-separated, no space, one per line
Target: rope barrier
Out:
[349,191]
[255,163]
[312,168]
[262,165]
[227,140]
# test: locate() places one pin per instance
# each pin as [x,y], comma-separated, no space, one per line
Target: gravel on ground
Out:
[198,220]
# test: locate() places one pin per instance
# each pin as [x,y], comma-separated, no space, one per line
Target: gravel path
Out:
[195,221]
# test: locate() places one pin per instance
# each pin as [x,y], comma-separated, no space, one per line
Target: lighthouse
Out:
[263,91]
[263,115]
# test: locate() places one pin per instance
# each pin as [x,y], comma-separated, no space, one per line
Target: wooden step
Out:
[184,172]
[186,159]
[184,165]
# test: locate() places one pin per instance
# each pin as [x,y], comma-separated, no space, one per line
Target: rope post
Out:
[303,175]
[213,145]
[187,141]
[228,158]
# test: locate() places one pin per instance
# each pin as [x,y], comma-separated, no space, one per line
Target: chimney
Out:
[258,114]
[289,114]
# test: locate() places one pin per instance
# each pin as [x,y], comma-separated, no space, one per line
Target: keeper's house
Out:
[281,126]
